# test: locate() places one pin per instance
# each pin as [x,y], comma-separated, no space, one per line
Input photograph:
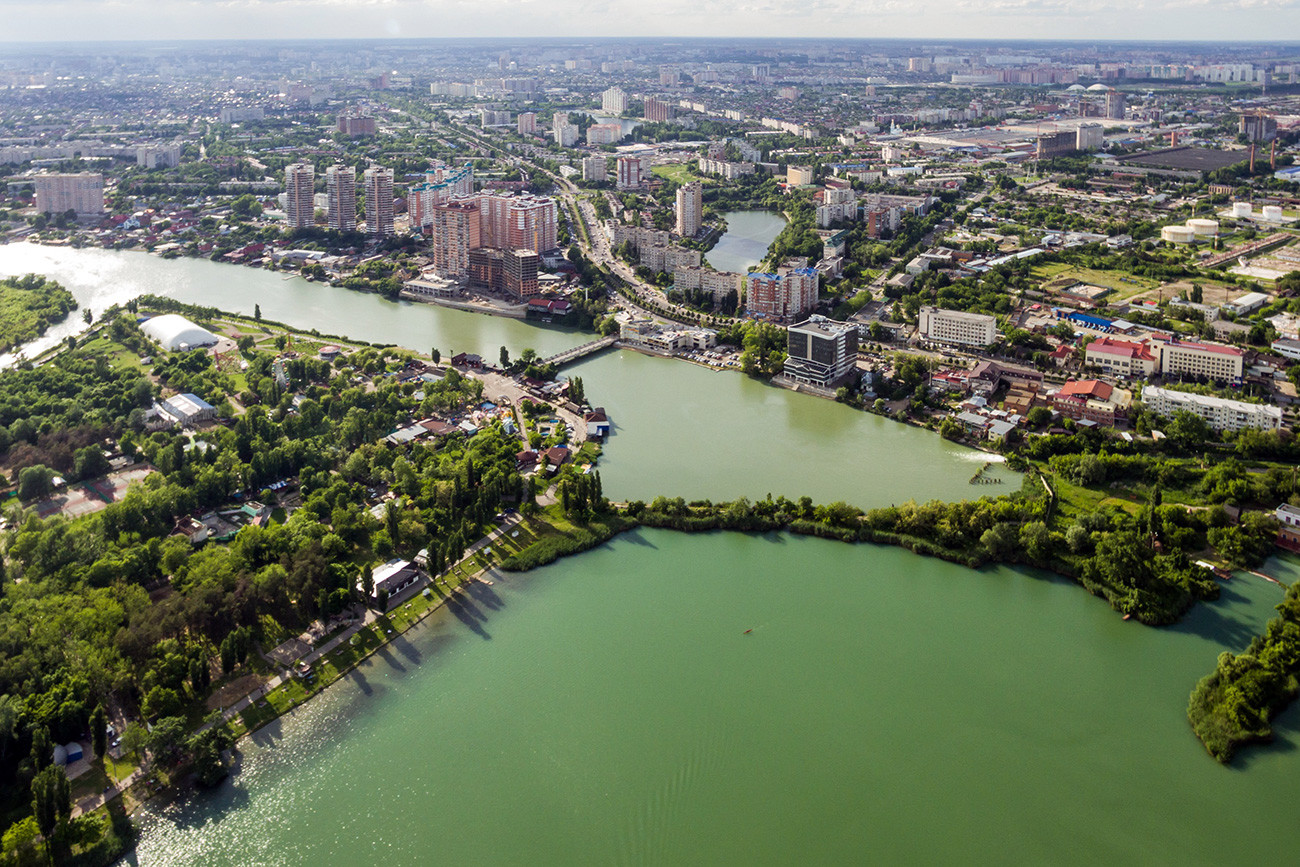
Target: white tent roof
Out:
[176,332]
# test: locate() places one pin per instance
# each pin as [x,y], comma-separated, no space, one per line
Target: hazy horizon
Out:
[63,21]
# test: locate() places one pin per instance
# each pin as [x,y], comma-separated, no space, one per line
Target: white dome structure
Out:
[1099,88]
[176,333]
[1076,87]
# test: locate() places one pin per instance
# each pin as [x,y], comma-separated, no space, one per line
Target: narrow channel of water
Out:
[886,708]
[101,278]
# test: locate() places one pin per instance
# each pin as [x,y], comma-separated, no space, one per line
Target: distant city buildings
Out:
[526,123]
[299,193]
[341,190]
[379,201]
[690,208]
[356,123]
[82,192]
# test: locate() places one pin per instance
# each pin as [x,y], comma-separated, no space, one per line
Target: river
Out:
[101,278]
[608,708]
[886,708]
[680,429]
[745,243]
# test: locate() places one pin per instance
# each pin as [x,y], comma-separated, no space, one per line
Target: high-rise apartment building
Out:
[526,123]
[784,296]
[299,195]
[613,101]
[593,168]
[657,110]
[455,227]
[441,184]
[490,221]
[518,222]
[629,173]
[1114,105]
[379,201]
[690,208]
[82,192]
[341,190]
[165,156]
[669,76]
[604,133]
[566,133]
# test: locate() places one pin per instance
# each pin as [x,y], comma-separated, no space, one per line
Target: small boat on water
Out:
[747,631]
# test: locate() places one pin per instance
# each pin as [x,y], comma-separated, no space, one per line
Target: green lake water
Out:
[886,708]
[745,243]
[609,710]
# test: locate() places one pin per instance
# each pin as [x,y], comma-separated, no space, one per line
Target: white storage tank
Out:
[1241,209]
[1203,228]
[1177,234]
[1273,213]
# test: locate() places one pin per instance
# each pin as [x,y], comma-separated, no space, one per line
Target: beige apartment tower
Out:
[379,201]
[341,190]
[299,194]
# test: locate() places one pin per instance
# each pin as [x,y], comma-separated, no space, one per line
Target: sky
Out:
[80,20]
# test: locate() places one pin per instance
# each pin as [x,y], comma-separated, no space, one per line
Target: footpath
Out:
[93,802]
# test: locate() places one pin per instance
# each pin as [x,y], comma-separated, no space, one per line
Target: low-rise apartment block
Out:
[1221,413]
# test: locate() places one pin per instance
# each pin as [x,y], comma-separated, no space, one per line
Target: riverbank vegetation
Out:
[29,306]
[1235,704]
[120,609]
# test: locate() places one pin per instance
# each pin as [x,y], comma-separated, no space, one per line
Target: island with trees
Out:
[29,305]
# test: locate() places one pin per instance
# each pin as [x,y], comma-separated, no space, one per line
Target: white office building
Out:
[957,327]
